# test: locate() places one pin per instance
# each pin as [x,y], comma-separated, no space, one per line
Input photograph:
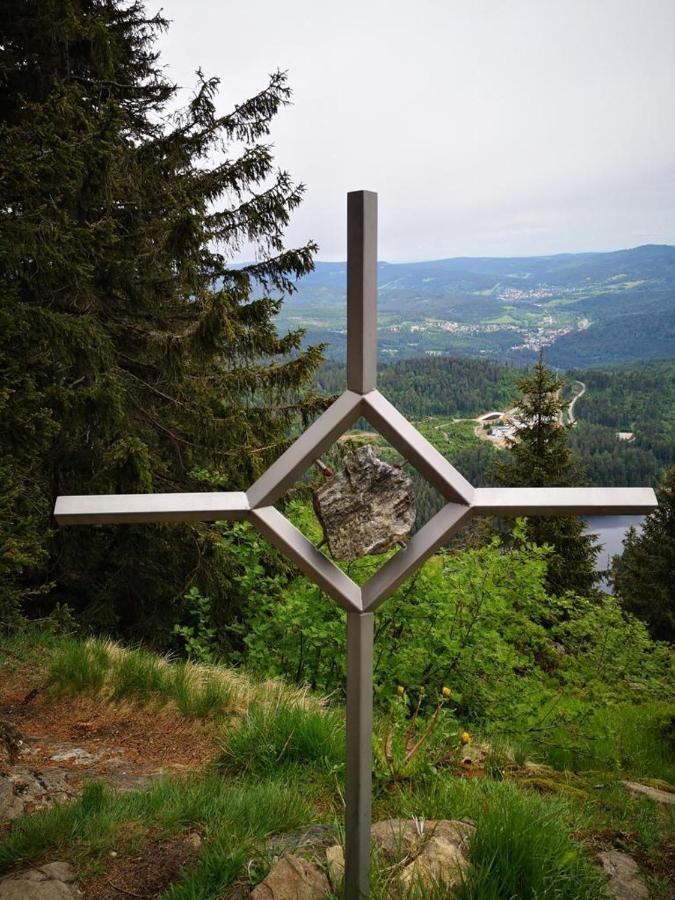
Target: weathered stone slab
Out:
[652,793]
[367,508]
[623,876]
[48,882]
[293,878]
[440,865]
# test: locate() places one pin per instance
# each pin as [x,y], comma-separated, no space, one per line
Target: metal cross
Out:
[256,506]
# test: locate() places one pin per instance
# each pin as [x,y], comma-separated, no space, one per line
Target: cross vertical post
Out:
[359,753]
[361,291]
[256,506]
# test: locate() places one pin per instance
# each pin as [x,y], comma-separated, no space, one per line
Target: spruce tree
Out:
[540,456]
[643,575]
[133,355]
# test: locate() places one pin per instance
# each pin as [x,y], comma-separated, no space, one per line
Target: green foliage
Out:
[540,456]
[133,356]
[643,574]
[198,637]
[278,735]
[522,666]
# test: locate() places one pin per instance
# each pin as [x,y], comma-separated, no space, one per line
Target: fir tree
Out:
[133,355]
[643,575]
[540,456]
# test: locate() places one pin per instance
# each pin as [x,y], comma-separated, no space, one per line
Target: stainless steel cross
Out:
[256,506]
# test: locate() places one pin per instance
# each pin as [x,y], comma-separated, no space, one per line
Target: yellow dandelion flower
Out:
[465,737]
[400,690]
[446,692]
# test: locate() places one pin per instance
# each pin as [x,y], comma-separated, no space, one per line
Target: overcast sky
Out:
[488,127]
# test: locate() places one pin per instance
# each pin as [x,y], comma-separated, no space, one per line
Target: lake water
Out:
[610,531]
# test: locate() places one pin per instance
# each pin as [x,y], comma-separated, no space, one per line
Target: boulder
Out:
[335,864]
[48,882]
[440,864]
[401,838]
[292,878]
[623,876]
[11,805]
[396,838]
[653,793]
[366,508]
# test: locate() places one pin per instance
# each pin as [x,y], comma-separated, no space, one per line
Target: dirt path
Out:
[53,746]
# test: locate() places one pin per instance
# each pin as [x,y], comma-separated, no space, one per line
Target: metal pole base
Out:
[359,753]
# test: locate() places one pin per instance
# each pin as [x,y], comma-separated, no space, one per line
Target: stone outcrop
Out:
[366,508]
[293,878]
[52,881]
[623,876]
[644,790]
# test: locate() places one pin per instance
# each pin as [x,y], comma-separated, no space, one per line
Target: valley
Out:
[585,309]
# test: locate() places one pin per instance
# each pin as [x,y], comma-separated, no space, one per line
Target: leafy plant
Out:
[198,637]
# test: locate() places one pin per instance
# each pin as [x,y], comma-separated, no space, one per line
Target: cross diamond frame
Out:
[256,506]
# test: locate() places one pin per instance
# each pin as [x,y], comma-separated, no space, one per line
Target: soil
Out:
[146,874]
[142,736]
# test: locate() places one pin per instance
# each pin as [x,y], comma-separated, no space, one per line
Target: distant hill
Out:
[587,308]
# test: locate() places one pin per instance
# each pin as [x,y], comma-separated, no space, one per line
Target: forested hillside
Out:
[436,386]
[585,308]
[637,399]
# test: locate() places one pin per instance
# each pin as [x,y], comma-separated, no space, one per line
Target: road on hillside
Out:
[570,409]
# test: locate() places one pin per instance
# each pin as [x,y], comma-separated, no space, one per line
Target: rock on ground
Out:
[335,864]
[49,882]
[623,876]
[439,864]
[429,854]
[293,878]
[651,792]
[367,508]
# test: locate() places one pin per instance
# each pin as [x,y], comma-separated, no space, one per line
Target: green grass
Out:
[635,740]
[280,767]
[270,738]
[522,846]
[234,814]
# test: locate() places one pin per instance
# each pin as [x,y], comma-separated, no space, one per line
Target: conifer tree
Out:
[133,355]
[643,576]
[540,456]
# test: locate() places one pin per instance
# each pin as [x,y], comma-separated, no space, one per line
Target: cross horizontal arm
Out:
[112,509]
[544,501]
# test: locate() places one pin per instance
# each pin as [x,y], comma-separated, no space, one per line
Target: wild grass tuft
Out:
[522,846]
[198,690]
[523,849]
[79,666]
[272,736]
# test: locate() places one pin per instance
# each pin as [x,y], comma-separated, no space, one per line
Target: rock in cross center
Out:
[367,508]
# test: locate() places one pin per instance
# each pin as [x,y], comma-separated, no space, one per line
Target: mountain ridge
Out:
[506,307]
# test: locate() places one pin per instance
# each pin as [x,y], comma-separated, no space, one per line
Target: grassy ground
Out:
[278,765]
